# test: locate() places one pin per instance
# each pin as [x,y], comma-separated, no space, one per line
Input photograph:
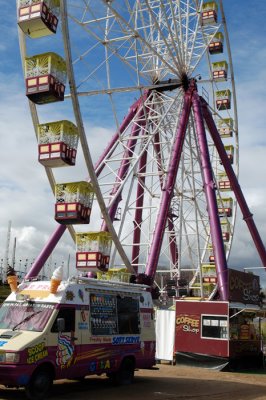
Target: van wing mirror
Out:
[60,324]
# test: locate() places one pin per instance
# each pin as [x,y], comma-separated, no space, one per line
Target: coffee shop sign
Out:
[244,287]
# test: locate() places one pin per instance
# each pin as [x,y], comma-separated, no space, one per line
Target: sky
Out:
[25,196]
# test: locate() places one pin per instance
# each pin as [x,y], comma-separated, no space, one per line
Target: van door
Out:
[83,354]
[66,344]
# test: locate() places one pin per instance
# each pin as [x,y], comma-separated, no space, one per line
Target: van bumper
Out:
[14,375]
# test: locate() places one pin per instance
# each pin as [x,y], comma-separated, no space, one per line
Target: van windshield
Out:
[27,316]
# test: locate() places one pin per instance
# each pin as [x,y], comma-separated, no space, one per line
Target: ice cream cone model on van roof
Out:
[12,278]
[56,279]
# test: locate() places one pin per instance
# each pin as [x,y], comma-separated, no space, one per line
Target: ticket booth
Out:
[38,18]
[57,143]
[73,202]
[45,76]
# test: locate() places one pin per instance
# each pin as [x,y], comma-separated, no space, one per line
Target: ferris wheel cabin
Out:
[45,78]
[223,99]
[216,44]
[219,70]
[73,202]
[211,254]
[93,251]
[224,182]
[57,143]
[209,13]
[225,206]
[225,127]
[230,153]
[209,275]
[226,230]
[38,18]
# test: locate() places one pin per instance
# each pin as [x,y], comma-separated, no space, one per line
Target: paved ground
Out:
[166,383]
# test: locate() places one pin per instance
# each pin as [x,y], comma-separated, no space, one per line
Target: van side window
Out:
[128,315]
[69,316]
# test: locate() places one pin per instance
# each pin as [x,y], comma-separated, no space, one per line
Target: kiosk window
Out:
[69,316]
[128,315]
[214,326]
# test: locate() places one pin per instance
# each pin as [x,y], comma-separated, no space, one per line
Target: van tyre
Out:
[125,374]
[39,384]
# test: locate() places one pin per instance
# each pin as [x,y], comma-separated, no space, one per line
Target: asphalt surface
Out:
[167,383]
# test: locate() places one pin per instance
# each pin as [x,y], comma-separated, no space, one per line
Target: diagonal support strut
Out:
[209,188]
[247,215]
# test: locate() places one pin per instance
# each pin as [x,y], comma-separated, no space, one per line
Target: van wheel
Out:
[39,384]
[125,374]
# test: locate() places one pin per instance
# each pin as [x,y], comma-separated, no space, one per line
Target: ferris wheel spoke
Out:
[114,45]
[140,38]
[159,20]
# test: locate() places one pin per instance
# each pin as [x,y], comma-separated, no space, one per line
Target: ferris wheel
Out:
[144,83]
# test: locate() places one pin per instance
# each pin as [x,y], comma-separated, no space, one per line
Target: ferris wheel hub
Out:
[168,85]
[171,84]
[185,81]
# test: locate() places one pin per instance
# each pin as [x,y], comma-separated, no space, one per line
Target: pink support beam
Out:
[168,187]
[247,215]
[209,188]
[46,252]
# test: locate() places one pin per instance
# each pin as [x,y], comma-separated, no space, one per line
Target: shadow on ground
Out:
[164,384]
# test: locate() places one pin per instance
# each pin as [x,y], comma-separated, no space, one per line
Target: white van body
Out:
[87,327]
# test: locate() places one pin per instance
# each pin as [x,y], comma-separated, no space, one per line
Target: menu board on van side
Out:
[103,314]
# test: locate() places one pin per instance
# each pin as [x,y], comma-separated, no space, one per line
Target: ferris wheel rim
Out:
[109,90]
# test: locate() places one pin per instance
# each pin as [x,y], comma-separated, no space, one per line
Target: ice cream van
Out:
[87,326]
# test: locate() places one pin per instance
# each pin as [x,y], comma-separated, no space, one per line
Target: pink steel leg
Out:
[209,188]
[168,188]
[45,253]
